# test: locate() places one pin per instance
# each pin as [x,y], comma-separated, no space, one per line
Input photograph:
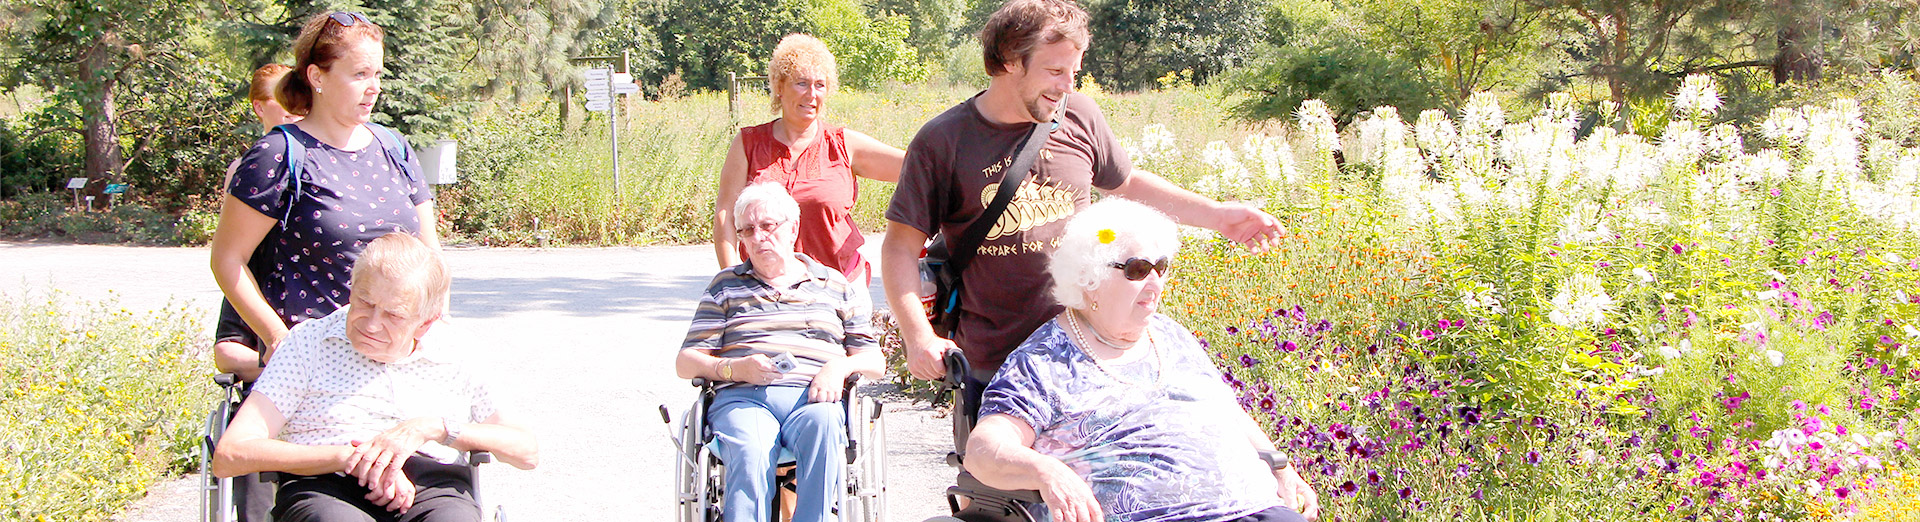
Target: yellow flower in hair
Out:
[1106,236]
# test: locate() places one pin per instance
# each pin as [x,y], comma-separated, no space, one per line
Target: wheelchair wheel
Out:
[698,475]
[867,477]
[216,494]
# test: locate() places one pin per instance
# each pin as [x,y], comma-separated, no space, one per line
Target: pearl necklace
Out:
[1159,363]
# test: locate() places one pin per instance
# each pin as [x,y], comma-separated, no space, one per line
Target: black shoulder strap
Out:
[961,253]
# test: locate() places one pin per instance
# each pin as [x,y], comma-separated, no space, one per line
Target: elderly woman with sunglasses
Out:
[779,333]
[1113,411]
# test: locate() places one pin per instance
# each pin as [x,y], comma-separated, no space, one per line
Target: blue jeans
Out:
[750,426]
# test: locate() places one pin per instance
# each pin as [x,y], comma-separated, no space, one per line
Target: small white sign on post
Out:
[599,89]
[438,162]
[77,183]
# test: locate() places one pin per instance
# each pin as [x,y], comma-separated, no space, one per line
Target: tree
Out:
[1467,45]
[81,52]
[703,40]
[868,51]
[1136,42]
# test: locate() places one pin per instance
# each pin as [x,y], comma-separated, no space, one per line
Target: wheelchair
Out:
[699,474]
[986,503]
[218,502]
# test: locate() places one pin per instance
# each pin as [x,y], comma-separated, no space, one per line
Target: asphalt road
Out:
[584,339]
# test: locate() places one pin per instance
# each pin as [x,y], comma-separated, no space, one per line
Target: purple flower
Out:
[1677,249]
[1247,361]
[1841,492]
[1373,477]
[1533,457]
[1233,331]
[1476,494]
[1427,333]
[1406,493]
[1348,488]
[1289,346]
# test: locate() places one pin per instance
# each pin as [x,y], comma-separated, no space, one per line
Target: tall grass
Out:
[94,405]
[518,163]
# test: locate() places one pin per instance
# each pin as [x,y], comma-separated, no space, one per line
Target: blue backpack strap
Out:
[397,152]
[296,157]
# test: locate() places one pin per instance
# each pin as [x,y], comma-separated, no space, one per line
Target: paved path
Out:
[587,336]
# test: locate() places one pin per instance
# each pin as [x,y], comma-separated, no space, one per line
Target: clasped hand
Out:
[377,463]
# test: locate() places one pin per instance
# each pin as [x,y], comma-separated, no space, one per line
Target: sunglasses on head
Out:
[348,18]
[1136,268]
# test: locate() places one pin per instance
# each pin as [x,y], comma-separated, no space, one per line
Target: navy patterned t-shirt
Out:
[347,198]
[1156,447]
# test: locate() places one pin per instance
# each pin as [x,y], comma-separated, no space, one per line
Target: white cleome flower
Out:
[1316,121]
[1581,302]
[1775,358]
[1698,96]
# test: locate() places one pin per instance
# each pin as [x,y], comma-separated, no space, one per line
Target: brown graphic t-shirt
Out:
[953,169]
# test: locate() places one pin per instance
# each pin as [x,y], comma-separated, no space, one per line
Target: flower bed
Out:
[1482,318]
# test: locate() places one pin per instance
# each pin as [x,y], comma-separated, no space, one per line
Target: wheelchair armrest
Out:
[700,382]
[226,380]
[965,484]
[475,458]
[1276,459]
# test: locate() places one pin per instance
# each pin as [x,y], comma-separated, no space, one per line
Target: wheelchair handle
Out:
[957,368]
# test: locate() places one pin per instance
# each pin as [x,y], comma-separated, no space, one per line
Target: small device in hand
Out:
[784,362]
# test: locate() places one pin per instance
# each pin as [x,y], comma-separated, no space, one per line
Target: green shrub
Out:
[96,404]
[50,215]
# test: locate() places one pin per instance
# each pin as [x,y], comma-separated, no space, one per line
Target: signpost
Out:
[114,188]
[75,185]
[602,85]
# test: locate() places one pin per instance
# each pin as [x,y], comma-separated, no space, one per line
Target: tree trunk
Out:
[1798,57]
[102,133]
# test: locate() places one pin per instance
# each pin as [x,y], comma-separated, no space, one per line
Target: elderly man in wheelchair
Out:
[1112,411]
[365,413]
[778,337]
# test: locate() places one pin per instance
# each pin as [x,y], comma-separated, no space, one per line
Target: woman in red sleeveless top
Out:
[816,161]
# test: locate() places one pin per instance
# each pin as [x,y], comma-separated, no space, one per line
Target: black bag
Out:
[941,266]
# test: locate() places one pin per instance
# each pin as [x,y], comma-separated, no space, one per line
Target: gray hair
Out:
[771,198]
[411,266]
[1102,233]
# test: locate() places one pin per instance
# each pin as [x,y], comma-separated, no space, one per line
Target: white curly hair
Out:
[1107,232]
[772,198]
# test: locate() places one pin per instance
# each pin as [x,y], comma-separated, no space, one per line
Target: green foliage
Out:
[703,40]
[1348,74]
[933,26]
[868,51]
[51,215]
[97,403]
[1135,42]
[428,90]
[33,161]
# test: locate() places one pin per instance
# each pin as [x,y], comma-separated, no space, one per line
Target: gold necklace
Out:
[1159,363]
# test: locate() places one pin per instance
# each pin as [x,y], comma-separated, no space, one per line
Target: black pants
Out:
[445,494]
[254,496]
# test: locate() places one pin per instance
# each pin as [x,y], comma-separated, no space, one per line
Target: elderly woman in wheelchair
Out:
[779,335]
[365,412]
[1113,411]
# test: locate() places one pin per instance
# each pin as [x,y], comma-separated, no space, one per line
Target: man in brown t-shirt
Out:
[953,169]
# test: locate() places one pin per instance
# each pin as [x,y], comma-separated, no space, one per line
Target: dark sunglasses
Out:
[1136,268]
[348,18]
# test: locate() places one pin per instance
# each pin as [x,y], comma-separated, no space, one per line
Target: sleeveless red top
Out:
[820,177]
